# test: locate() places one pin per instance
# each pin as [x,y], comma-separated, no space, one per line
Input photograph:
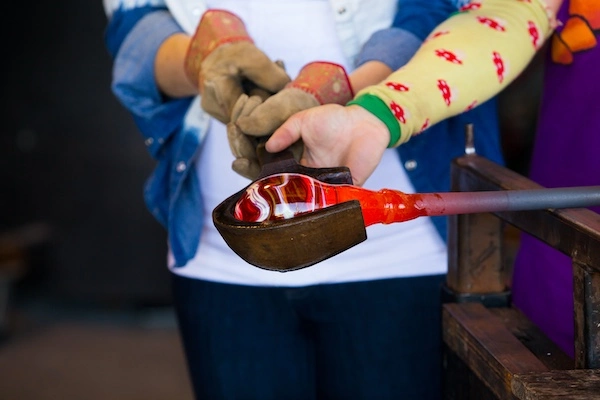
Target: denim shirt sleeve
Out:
[413,21]
[133,37]
[133,73]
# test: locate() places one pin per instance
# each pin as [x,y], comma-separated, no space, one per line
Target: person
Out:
[362,324]
[542,283]
[436,84]
[566,132]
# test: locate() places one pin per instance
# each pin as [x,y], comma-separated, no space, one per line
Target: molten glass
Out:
[285,196]
[288,195]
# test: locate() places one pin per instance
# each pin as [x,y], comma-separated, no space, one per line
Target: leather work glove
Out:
[223,62]
[244,147]
[317,83]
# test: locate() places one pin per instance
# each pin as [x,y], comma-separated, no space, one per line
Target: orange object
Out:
[287,195]
[579,31]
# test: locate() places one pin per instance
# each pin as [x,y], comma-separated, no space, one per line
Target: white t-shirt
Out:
[298,32]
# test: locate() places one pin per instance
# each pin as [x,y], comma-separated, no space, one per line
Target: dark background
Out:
[85,305]
[73,164]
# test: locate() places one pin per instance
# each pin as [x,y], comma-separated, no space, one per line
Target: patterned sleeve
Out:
[451,73]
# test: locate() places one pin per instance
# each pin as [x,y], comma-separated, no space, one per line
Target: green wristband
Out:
[377,107]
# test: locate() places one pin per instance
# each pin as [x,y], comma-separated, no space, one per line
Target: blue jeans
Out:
[365,340]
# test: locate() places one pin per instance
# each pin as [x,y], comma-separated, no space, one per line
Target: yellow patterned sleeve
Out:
[465,61]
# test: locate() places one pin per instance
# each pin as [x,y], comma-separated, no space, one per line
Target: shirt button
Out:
[341,10]
[149,141]
[410,165]
[181,166]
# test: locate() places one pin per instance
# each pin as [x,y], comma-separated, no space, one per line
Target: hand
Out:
[335,136]
[253,118]
[244,147]
[317,83]
[223,62]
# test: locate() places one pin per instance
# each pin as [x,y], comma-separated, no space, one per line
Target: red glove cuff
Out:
[217,27]
[327,82]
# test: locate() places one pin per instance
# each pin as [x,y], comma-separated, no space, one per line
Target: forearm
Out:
[452,73]
[134,82]
[369,73]
[169,71]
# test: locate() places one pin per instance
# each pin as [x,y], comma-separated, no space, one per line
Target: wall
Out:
[73,160]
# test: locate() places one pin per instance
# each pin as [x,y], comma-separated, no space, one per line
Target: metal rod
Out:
[510,200]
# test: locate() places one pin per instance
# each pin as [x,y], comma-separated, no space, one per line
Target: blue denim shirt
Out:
[172,192]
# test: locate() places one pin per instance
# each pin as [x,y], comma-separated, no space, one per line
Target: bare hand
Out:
[334,136]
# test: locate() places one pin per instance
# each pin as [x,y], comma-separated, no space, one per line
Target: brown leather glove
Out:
[244,147]
[223,62]
[317,83]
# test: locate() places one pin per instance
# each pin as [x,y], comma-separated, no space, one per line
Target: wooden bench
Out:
[491,350]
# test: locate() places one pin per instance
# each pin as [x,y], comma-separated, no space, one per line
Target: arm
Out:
[169,72]
[411,97]
[133,37]
[451,73]
[368,73]
[385,51]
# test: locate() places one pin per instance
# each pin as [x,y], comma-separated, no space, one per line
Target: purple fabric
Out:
[566,154]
